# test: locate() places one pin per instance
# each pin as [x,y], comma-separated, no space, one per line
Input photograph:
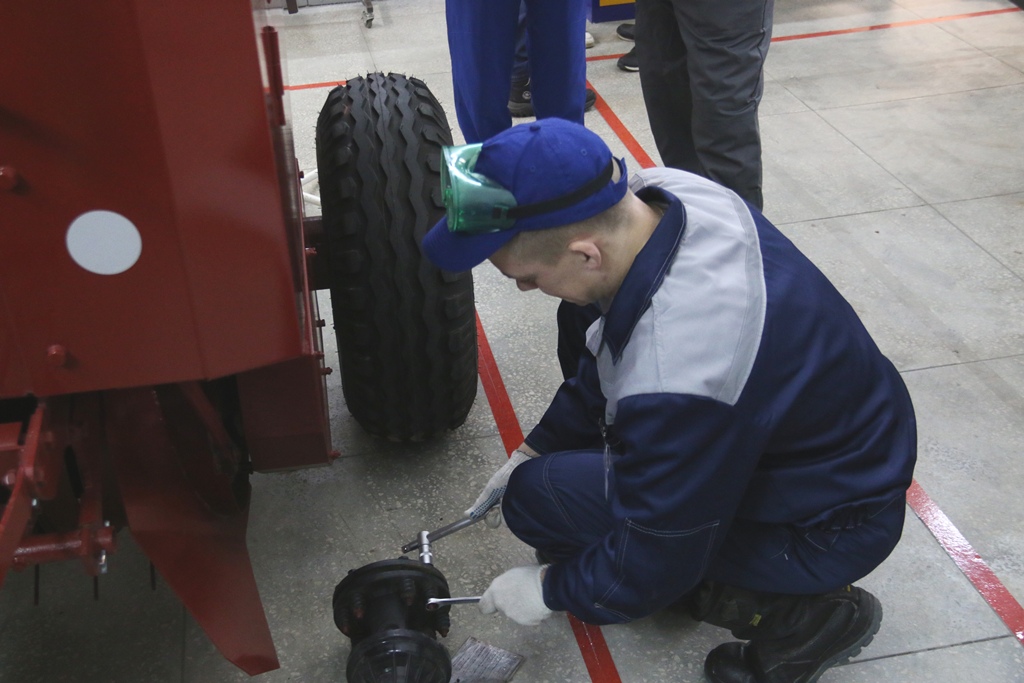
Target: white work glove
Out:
[519,595]
[495,489]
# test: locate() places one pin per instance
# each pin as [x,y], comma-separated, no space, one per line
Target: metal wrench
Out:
[441,533]
[436,603]
[448,529]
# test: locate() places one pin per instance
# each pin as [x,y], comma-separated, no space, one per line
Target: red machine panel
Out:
[142,235]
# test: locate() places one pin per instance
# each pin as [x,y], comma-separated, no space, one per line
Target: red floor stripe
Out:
[897,24]
[599,58]
[309,86]
[970,563]
[877,27]
[497,395]
[591,641]
[620,130]
[595,652]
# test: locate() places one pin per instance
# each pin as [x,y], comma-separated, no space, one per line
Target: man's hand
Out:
[495,488]
[519,595]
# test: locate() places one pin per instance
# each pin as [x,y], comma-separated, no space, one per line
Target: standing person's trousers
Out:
[482,44]
[556,503]
[701,71]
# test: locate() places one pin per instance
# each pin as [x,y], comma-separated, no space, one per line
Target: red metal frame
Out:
[141,399]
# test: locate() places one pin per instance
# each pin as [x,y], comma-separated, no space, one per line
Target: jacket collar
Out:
[644,277]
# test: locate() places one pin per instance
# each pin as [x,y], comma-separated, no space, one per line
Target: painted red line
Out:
[310,86]
[595,652]
[620,130]
[777,39]
[591,641]
[863,29]
[970,563]
[497,395]
[897,24]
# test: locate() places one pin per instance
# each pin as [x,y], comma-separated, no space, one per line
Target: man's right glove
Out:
[519,595]
[495,488]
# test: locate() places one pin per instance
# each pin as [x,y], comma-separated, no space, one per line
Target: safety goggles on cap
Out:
[476,204]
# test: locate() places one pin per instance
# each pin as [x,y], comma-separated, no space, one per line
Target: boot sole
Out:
[852,650]
[855,648]
[522,110]
[519,111]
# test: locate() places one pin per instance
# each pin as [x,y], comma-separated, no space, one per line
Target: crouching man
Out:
[733,441]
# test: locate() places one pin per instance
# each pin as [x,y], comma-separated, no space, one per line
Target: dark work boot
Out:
[792,638]
[520,100]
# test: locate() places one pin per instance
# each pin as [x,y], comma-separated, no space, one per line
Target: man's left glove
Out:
[519,595]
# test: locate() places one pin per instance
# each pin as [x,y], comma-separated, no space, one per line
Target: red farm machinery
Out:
[159,333]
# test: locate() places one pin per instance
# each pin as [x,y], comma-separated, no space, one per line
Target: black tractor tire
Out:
[406,329]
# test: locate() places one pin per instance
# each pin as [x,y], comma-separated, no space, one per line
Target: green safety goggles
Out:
[476,204]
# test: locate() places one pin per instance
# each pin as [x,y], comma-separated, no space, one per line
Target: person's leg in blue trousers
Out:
[556,503]
[558,67]
[521,63]
[481,42]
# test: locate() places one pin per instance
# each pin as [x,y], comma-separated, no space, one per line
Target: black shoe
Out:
[520,100]
[626,32]
[627,62]
[829,630]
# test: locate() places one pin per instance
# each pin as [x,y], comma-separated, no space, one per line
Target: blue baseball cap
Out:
[555,172]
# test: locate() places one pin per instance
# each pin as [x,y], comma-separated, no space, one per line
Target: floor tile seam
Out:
[918,306]
[1009,268]
[994,195]
[1003,61]
[938,208]
[878,162]
[921,21]
[913,98]
[855,214]
[946,29]
[975,361]
[924,650]
[978,53]
[867,155]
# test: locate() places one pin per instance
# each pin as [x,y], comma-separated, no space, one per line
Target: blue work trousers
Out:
[557,503]
[482,44]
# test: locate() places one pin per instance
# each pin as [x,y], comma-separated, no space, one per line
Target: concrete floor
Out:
[894,158]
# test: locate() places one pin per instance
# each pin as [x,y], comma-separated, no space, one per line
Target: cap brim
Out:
[462,251]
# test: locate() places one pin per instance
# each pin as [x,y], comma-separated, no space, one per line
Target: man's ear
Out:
[590,253]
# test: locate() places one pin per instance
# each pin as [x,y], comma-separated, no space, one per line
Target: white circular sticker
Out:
[104,242]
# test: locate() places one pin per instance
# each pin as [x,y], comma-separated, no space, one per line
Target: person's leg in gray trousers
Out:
[701,71]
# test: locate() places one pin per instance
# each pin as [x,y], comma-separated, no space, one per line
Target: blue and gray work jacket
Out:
[733,382]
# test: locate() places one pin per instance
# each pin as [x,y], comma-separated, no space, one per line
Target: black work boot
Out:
[520,100]
[792,638]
